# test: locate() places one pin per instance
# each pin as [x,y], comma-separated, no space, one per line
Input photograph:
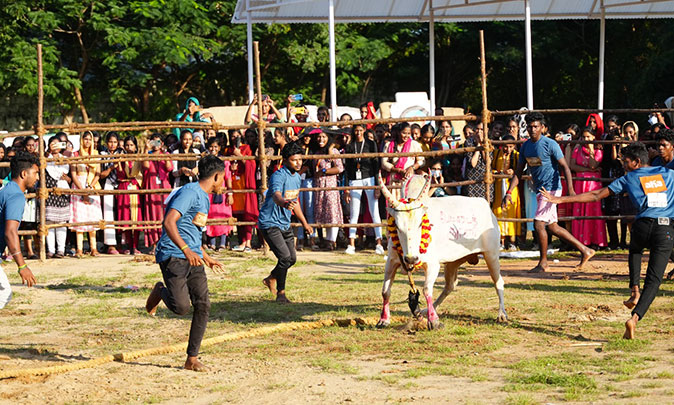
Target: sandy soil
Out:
[236,378]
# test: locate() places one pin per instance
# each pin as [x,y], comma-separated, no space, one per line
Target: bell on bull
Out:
[433,231]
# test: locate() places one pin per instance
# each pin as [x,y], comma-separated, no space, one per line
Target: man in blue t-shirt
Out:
[544,157]
[651,190]
[274,220]
[25,172]
[180,256]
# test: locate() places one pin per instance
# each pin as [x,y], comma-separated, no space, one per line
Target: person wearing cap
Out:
[281,201]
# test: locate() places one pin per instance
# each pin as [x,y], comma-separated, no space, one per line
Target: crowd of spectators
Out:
[591,163]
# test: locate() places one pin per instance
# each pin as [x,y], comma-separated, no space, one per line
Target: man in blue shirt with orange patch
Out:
[25,173]
[651,190]
[180,256]
[274,220]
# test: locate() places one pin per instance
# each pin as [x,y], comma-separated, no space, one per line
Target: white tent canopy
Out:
[359,11]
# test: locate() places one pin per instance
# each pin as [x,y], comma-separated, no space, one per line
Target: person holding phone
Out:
[269,111]
[192,113]
[274,222]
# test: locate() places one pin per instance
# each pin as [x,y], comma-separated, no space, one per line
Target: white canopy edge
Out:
[354,11]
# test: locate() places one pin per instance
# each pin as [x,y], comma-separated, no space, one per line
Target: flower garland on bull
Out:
[425,235]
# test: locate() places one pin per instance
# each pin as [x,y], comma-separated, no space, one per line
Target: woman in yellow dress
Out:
[505,162]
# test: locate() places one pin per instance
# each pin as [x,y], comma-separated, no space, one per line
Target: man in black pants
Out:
[651,189]
[274,220]
[180,256]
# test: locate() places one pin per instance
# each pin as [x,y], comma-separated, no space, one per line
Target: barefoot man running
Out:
[651,189]
[180,256]
[544,157]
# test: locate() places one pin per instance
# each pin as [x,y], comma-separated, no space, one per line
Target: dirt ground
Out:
[280,368]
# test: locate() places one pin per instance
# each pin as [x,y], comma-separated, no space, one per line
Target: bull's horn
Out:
[427,186]
[387,194]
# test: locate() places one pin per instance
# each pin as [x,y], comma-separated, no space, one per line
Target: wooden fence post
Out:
[40,131]
[486,119]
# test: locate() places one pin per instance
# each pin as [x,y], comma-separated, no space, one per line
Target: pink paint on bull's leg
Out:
[433,319]
[432,314]
[386,311]
[385,319]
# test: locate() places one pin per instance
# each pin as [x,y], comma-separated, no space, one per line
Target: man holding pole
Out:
[25,173]
[180,256]
[544,157]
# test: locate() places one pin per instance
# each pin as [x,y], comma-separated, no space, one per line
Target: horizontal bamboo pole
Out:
[69,191]
[607,218]
[582,110]
[150,125]
[580,142]
[144,157]
[527,177]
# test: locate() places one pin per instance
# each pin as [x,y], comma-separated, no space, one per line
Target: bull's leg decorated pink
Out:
[433,318]
[392,264]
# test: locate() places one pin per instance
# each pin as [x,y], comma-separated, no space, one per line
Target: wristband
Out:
[508,192]
[23,266]
[183,248]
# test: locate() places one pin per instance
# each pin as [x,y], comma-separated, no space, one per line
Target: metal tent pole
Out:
[431,56]
[529,58]
[249,37]
[602,58]
[333,69]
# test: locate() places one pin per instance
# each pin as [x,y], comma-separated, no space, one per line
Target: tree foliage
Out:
[139,60]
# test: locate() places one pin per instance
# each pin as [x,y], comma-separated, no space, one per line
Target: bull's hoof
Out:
[383,323]
[502,318]
[434,324]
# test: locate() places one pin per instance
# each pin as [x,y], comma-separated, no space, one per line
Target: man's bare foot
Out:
[281,298]
[192,363]
[587,254]
[632,301]
[630,327]
[634,298]
[670,275]
[270,283]
[154,298]
[538,269]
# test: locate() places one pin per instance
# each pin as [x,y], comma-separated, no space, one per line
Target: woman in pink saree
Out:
[585,161]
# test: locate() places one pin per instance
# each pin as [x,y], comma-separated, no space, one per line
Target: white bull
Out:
[461,228]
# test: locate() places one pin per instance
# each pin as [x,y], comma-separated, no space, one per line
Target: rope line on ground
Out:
[227,337]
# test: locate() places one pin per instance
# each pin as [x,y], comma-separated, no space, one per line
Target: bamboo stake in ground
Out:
[486,119]
[42,194]
[261,123]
